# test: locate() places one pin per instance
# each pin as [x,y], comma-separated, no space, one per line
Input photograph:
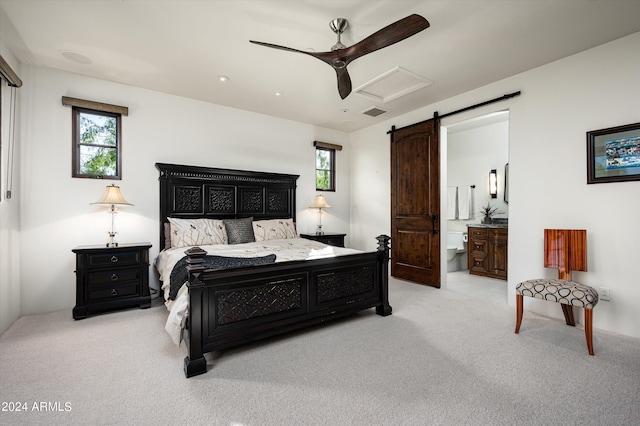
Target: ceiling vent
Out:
[373,112]
[392,85]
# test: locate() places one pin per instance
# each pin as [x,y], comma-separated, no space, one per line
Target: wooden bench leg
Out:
[518,311]
[588,328]
[567,310]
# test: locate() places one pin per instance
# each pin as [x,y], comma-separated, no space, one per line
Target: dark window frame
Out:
[331,170]
[77,143]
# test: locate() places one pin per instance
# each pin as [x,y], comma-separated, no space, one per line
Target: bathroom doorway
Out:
[474,148]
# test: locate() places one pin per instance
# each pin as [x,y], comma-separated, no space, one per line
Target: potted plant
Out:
[488,212]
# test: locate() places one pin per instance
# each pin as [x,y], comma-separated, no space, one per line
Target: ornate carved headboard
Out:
[202,192]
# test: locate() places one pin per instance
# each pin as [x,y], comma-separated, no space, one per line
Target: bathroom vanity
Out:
[487,250]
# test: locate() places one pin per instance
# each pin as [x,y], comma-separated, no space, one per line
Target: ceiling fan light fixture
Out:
[338,64]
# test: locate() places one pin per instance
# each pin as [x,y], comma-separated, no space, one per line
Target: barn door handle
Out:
[434,220]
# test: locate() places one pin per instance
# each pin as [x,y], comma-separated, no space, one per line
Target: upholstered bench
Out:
[568,293]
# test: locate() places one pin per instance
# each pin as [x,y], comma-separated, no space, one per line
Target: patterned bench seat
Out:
[568,293]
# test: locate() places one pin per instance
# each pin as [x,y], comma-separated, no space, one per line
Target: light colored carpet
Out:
[442,358]
[483,288]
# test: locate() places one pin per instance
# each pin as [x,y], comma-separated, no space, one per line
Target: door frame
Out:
[444,158]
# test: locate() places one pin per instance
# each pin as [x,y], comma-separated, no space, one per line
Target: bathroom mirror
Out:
[506,183]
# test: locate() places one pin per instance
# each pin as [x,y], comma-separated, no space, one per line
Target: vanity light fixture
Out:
[320,203]
[113,197]
[493,183]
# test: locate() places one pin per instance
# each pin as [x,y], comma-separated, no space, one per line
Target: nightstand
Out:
[331,239]
[109,278]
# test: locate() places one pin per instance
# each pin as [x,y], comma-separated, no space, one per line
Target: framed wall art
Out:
[613,154]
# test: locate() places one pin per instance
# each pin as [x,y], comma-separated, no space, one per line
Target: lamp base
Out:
[112,238]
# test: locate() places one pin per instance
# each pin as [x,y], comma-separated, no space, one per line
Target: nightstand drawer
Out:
[113,276]
[98,260]
[330,239]
[112,292]
[334,241]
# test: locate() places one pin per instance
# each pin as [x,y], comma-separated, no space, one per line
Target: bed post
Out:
[383,271]
[195,363]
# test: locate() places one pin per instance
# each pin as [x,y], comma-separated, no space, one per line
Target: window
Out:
[325,169]
[326,165]
[96,144]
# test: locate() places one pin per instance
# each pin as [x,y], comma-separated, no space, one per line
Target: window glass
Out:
[325,169]
[96,144]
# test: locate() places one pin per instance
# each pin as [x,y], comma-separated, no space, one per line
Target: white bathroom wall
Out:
[471,154]
[560,102]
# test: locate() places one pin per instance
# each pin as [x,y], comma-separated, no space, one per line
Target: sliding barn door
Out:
[415,203]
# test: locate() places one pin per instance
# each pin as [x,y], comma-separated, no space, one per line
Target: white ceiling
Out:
[181,46]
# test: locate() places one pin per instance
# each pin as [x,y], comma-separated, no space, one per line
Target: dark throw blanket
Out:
[179,273]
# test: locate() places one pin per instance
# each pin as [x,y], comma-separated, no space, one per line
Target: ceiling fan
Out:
[340,55]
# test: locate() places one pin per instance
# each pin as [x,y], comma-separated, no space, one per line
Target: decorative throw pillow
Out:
[239,230]
[275,229]
[196,232]
[167,236]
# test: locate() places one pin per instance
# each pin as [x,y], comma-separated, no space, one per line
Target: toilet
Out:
[456,250]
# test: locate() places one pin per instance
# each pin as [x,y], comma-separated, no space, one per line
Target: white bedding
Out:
[285,250]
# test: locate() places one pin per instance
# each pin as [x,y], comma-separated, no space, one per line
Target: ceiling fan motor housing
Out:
[338,26]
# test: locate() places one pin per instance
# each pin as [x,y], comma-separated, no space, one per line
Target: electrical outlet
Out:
[604,293]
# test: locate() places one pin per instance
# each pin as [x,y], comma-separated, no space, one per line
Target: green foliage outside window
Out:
[324,169]
[97,147]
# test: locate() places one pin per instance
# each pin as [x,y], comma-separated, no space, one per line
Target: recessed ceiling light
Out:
[223,78]
[345,110]
[75,57]
[279,93]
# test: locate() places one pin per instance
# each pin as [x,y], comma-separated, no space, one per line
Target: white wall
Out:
[560,102]
[9,208]
[55,211]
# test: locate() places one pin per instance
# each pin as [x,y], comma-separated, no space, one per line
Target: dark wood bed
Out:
[230,307]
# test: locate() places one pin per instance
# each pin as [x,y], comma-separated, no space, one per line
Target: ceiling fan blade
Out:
[391,34]
[331,58]
[344,82]
[275,46]
[327,57]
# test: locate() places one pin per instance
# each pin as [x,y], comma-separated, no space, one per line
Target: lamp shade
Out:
[320,203]
[112,195]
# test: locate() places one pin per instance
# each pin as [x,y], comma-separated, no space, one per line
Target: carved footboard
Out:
[234,306]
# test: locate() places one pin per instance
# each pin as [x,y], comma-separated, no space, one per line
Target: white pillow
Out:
[274,229]
[197,232]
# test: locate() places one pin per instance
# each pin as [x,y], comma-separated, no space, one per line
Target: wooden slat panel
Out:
[97,106]
[565,249]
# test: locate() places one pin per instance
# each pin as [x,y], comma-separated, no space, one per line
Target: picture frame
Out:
[613,154]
